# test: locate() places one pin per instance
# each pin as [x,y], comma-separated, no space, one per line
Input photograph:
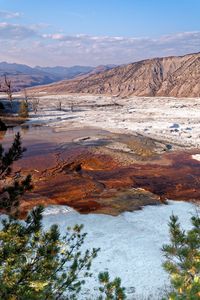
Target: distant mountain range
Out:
[23,76]
[176,76]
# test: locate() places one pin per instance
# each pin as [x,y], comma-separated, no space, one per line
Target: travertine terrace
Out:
[143,150]
[167,119]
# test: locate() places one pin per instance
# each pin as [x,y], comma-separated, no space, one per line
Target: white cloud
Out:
[87,49]
[10,31]
[9,15]
[31,45]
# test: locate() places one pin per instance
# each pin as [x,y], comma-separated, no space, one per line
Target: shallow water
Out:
[80,168]
[31,133]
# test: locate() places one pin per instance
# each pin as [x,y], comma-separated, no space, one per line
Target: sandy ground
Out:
[172,120]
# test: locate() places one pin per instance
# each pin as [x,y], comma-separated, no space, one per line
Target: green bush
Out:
[23,109]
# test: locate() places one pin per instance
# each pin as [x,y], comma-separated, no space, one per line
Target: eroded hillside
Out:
[169,76]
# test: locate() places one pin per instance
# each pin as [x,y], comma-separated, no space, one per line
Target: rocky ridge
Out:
[175,76]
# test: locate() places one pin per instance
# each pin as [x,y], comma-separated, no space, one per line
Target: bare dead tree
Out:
[59,107]
[8,89]
[26,97]
[35,103]
[72,106]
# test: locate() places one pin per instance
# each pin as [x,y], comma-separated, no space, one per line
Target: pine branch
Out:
[13,154]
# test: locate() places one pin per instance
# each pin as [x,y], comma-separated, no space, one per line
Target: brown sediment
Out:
[11,120]
[97,183]
[92,181]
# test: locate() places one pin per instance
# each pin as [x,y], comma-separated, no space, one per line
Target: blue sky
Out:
[93,32]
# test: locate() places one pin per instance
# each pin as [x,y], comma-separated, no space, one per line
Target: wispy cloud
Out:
[9,14]
[119,49]
[10,31]
[32,45]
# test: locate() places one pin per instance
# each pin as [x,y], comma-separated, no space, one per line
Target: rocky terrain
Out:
[169,76]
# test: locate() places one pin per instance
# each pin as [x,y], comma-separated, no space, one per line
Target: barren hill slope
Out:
[169,76]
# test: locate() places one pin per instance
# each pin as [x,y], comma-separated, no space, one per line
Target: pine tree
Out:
[11,192]
[110,290]
[183,260]
[35,264]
